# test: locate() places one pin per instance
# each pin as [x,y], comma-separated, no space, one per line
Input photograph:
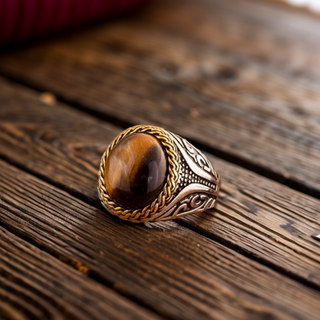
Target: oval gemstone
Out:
[136,171]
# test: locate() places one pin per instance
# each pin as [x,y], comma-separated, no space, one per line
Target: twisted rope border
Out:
[169,188]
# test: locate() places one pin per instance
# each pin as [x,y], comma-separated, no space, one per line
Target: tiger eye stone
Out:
[136,171]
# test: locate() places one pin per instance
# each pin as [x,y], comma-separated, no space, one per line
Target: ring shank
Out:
[192,183]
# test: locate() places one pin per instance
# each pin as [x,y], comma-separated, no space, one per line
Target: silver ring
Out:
[148,174]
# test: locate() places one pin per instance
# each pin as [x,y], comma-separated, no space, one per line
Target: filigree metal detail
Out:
[192,183]
[198,183]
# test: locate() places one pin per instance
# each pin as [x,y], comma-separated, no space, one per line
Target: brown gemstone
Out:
[136,170]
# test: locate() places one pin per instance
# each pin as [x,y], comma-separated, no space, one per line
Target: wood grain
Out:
[240,77]
[34,285]
[263,219]
[172,269]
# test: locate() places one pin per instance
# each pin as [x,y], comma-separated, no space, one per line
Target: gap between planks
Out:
[202,268]
[86,271]
[31,282]
[219,153]
[185,222]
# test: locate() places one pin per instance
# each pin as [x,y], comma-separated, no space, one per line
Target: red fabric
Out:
[24,19]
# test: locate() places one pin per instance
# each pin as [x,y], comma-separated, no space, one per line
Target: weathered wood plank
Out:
[172,269]
[34,285]
[262,218]
[281,38]
[239,76]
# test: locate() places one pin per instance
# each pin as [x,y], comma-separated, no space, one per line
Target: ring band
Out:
[148,174]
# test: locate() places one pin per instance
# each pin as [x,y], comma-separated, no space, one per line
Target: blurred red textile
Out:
[24,19]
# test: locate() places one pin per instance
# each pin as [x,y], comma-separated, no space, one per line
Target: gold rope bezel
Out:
[146,213]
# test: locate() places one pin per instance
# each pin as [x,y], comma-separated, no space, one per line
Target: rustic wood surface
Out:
[255,215]
[240,76]
[169,268]
[34,285]
[265,219]
[240,79]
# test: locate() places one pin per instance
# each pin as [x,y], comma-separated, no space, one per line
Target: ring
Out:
[148,174]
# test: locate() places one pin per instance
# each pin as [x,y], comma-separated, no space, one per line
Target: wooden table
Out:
[240,79]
